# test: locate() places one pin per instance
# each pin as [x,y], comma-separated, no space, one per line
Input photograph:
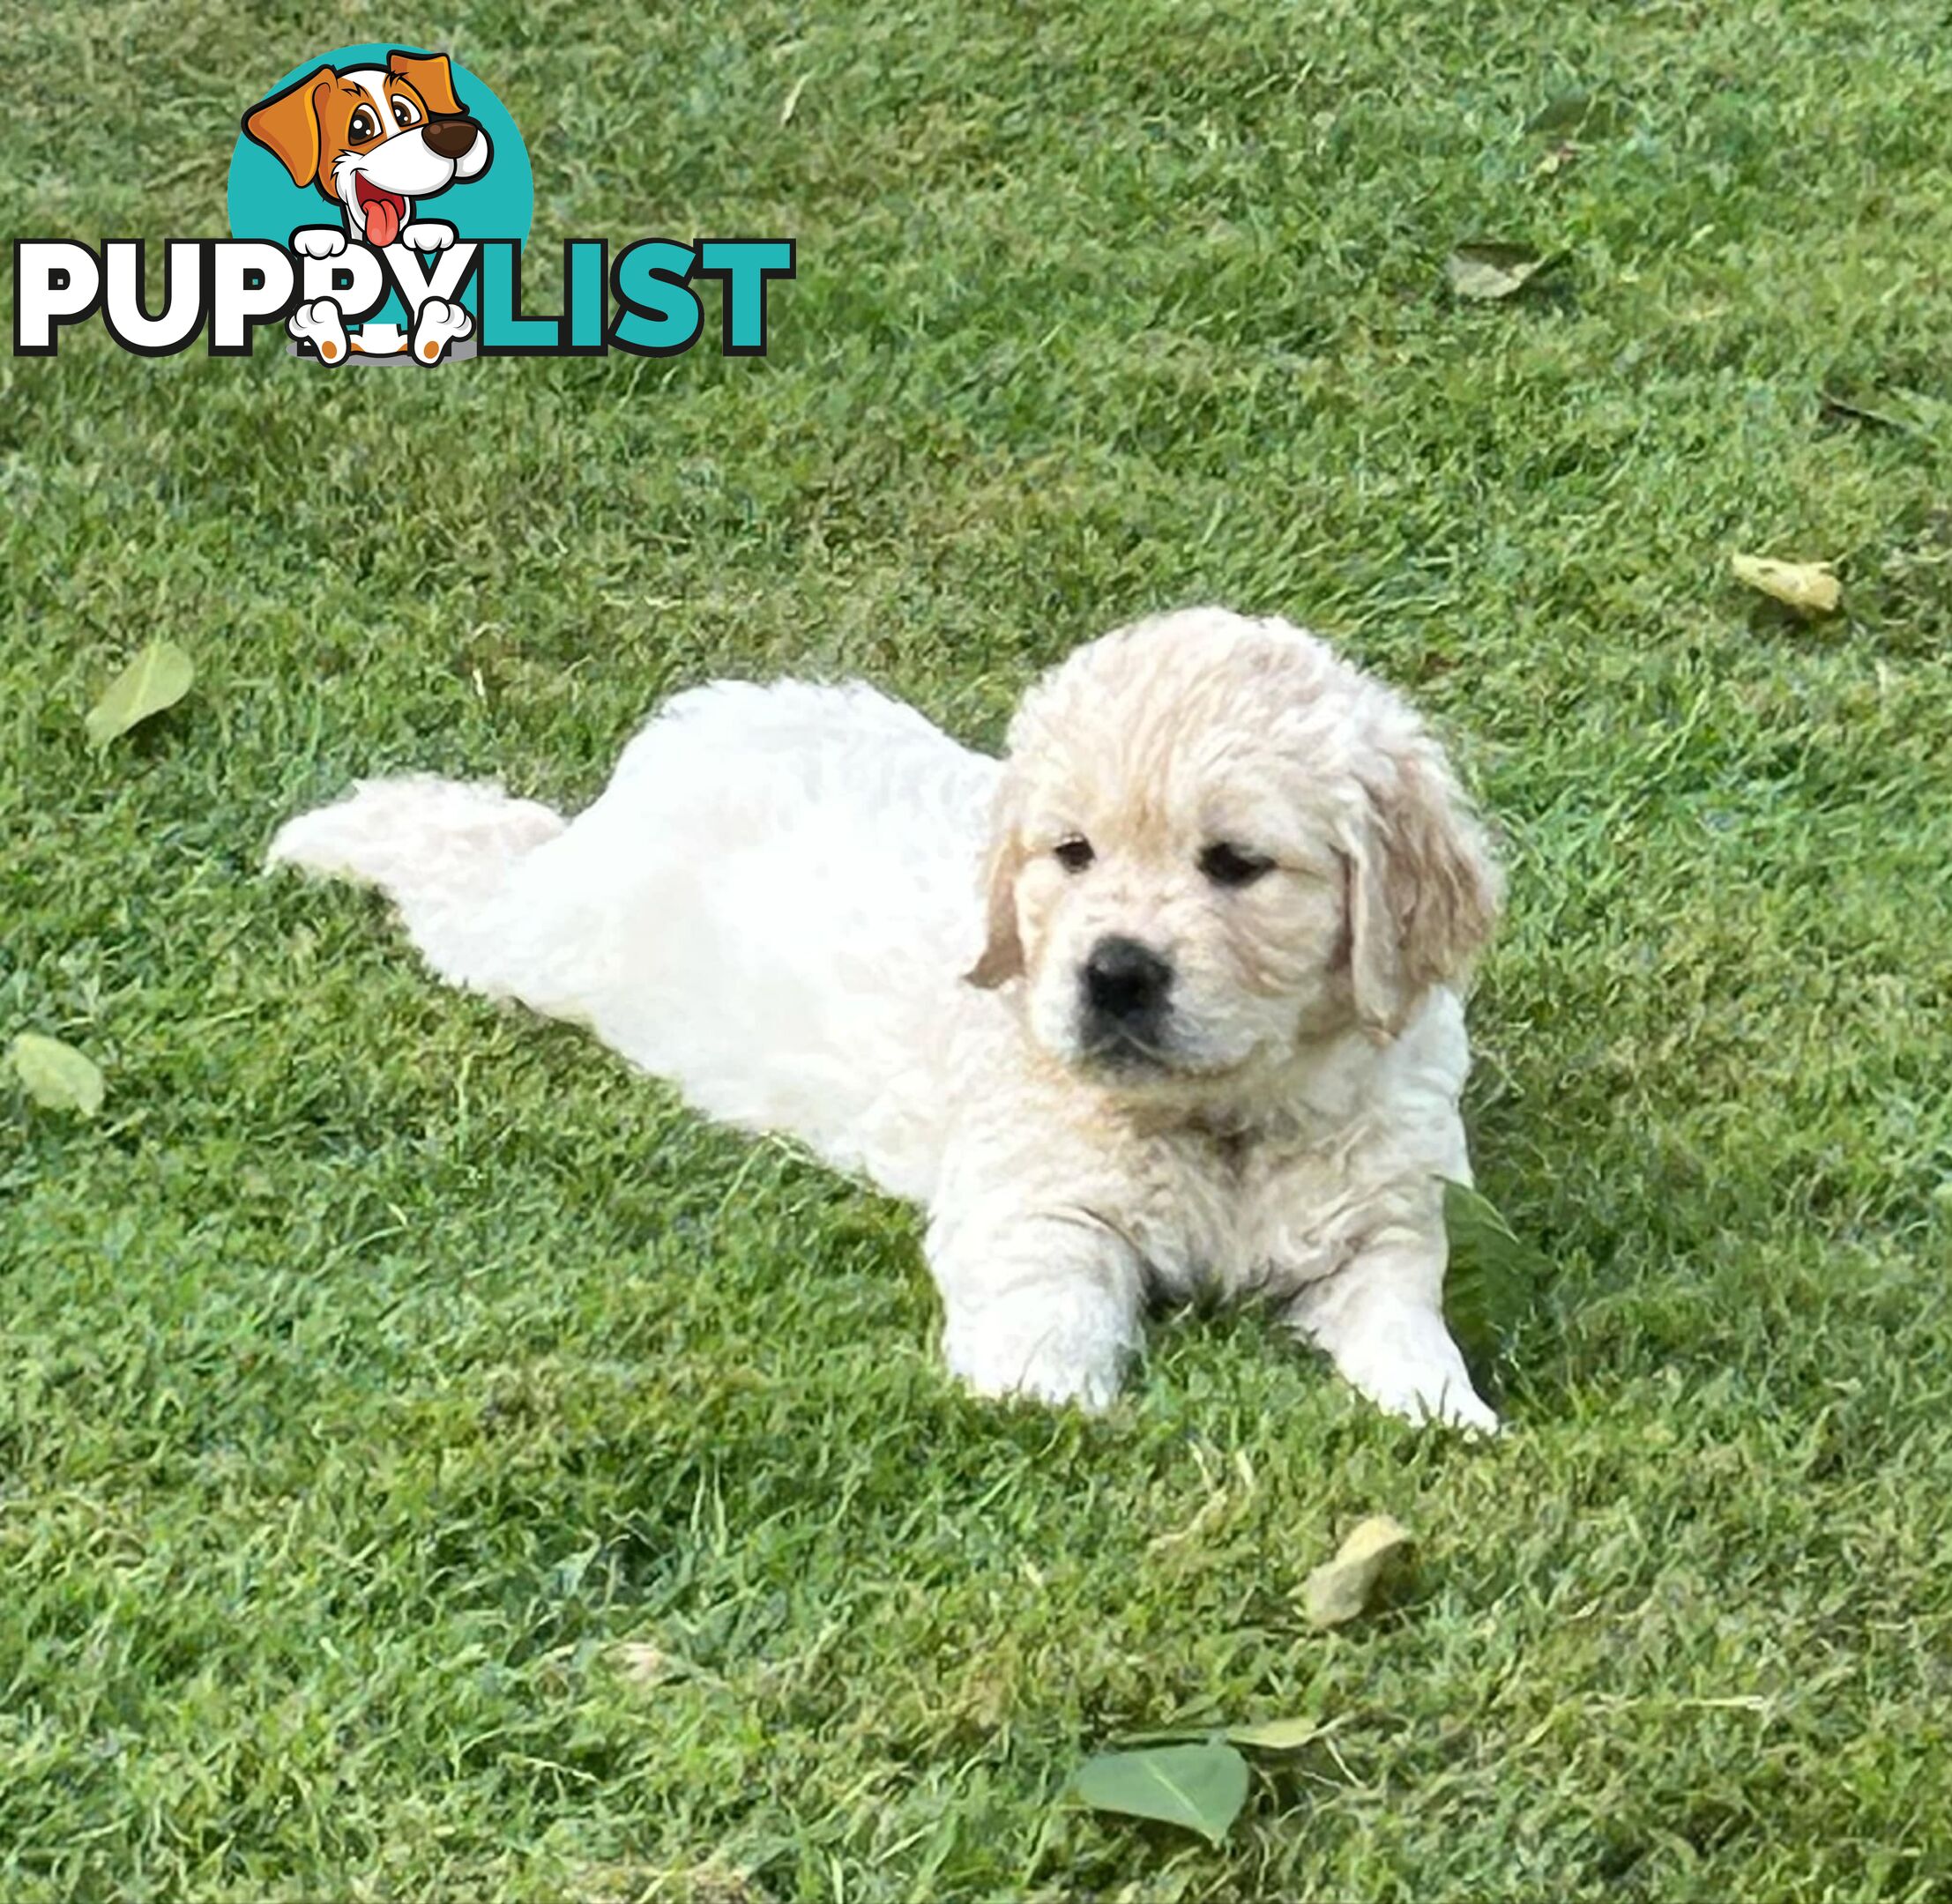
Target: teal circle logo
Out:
[382,145]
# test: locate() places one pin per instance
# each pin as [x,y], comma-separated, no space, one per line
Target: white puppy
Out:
[1220,898]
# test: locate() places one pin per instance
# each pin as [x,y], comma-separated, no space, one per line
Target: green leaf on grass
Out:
[1487,270]
[1337,1591]
[158,677]
[1198,1787]
[56,1075]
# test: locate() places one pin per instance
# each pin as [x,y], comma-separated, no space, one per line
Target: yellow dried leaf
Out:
[1277,1734]
[1487,270]
[57,1074]
[1337,1592]
[640,1663]
[1810,588]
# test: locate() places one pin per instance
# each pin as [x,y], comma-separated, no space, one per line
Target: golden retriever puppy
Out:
[1168,1001]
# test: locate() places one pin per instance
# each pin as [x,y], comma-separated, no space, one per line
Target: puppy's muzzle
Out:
[1124,986]
[449,138]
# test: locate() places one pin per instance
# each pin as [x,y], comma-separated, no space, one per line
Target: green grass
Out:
[379,1362]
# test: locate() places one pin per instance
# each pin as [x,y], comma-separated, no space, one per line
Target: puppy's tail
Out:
[445,851]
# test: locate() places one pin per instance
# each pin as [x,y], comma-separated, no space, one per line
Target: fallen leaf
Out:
[158,677]
[56,1075]
[1343,1588]
[1276,1734]
[640,1662]
[1810,588]
[1487,270]
[792,104]
[1199,1787]
[1267,1735]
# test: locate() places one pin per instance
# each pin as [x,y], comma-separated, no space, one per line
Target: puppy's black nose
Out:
[1125,980]
[449,137]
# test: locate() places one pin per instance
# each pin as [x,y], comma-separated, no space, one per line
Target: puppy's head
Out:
[374,138]
[1215,841]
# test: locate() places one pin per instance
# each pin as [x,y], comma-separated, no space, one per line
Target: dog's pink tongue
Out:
[383,221]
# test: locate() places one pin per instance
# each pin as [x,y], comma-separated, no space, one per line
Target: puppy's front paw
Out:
[321,325]
[318,241]
[439,323]
[427,235]
[1066,1346]
[1430,1393]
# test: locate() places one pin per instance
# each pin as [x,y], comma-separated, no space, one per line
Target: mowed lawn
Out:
[434,1466]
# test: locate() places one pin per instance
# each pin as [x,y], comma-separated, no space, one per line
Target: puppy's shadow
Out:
[1558,1280]
[1509,1260]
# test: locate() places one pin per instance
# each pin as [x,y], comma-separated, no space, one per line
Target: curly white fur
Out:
[776,901]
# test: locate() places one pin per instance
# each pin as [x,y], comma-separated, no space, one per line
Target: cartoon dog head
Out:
[374,139]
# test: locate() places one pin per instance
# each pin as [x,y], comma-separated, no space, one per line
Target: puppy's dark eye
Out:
[1234,865]
[1073,854]
[404,113]
[364,127]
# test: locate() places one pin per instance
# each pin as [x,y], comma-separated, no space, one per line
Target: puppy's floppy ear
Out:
[1002,957]
[286,125]
[431,77]
[1423,890]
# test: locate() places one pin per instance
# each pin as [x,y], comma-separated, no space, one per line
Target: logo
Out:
[384,157]
[380,198]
